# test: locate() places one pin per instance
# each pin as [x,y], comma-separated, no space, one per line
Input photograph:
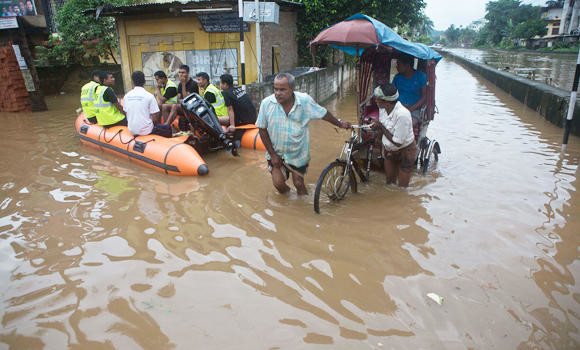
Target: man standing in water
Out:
[399,148]
[283,122]
[88,97]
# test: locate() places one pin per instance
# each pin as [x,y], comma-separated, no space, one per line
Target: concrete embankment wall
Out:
[549,101]
[322,84]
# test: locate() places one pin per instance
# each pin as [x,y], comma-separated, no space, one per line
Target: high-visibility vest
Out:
[88,97]
[168,85]
[106,112]
[220,104]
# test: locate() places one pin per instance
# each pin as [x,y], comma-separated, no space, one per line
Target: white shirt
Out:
[139,104]
[399,124]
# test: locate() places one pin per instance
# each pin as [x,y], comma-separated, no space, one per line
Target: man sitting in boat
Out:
[88,97]
[108,110]
[241,110]
[141,108]
[412,87]
[186,87]
[212,94]
[166,93]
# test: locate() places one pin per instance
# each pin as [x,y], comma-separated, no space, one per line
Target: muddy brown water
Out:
[556,69]
[101,253]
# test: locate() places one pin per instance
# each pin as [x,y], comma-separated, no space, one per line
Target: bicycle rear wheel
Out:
[431,157]
[333,184]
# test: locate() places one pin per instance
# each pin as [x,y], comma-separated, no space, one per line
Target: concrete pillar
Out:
[564,20]
[574,19]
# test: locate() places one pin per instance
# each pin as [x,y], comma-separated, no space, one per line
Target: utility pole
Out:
[571,105]
[242,50]
[258,41]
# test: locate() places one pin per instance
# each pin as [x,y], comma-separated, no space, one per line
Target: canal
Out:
[97,252]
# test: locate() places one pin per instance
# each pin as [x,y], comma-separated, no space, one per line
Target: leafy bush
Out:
[81,38]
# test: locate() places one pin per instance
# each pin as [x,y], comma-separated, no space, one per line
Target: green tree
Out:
[320,14]
[504,15]
[80,34]
[555,3]
[530,29]
[467,36]
[452,34]
[424,39]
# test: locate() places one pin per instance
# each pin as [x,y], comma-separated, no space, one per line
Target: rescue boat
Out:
[179,155]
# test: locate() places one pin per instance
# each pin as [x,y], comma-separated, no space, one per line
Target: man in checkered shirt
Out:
[283,122]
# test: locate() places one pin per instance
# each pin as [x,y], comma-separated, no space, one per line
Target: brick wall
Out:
[13,94]
[284,35]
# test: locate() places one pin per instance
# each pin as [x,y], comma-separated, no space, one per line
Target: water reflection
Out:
[99,252]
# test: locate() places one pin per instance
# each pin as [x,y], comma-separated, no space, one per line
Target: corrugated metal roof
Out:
[160,6]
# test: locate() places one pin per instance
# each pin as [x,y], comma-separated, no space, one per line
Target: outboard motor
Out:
[203,118]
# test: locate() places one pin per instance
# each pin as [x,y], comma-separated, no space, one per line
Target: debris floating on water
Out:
[435,297]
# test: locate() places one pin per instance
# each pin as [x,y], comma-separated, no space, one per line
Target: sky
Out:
[444,13]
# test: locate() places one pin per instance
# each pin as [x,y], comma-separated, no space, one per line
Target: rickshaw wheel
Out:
[333,184]
[431,156]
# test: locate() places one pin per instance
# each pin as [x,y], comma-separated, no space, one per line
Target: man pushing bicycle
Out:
[283,122]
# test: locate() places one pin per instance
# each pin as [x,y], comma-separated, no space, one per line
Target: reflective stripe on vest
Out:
[168,85]
[88,98]
[219,105]
[106,112]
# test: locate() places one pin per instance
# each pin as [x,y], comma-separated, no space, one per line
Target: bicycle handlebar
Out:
[364,126]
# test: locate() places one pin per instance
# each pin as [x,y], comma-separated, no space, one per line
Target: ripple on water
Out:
[104,253]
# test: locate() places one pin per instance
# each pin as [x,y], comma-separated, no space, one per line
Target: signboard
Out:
[11,8]
[228,22]
[28,81]
[8,23]
[269,12]
[19,58]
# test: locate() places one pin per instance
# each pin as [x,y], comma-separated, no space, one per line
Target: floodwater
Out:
[100,253]
[556,69]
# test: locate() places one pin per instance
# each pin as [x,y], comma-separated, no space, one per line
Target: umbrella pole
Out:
[358,87]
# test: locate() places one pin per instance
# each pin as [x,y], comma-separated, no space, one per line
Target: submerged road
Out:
[98,252]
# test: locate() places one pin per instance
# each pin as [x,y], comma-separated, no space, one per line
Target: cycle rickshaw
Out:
[375,46]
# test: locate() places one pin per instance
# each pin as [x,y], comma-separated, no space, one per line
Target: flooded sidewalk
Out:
[98,252]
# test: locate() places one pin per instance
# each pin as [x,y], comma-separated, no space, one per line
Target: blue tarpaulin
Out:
[389,37]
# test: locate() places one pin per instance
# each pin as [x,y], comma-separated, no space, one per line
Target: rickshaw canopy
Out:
[360,32]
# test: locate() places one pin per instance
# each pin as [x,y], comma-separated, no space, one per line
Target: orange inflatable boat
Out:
[175,156]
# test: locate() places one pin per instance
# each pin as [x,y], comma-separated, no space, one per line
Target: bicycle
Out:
[340,175]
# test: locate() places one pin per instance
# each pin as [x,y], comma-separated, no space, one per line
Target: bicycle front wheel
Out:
[333,184]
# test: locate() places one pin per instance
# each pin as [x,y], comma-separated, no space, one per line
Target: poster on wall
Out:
[224,61]
[214,62]
[167,61]
[12,8]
